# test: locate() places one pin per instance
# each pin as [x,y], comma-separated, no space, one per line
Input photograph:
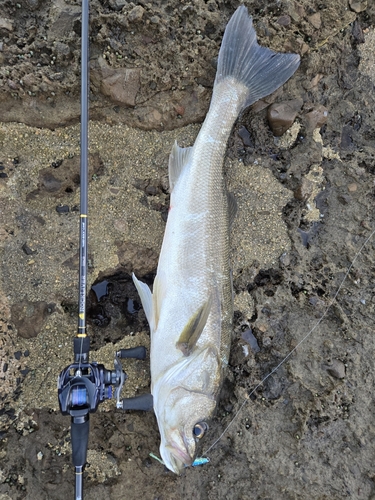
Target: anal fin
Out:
[178,159]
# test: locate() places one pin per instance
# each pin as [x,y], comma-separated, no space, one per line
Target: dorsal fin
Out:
[193,329]
[178,158]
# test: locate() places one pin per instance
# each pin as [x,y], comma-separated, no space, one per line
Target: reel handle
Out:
[134,352]
[144,402]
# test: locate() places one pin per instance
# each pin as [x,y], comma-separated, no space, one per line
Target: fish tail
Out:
[260,69]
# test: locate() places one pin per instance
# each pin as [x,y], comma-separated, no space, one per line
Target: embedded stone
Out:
[121,85]
[281,115]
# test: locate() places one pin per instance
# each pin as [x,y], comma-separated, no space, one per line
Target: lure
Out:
[200,461]
[197,461]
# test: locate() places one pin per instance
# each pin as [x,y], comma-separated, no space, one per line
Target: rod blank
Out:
[83,234]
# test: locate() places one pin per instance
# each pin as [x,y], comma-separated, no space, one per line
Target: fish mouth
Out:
[179,459]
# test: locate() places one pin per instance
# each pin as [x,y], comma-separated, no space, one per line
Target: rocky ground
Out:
[301,165]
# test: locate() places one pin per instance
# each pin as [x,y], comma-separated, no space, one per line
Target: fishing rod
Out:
[82,385]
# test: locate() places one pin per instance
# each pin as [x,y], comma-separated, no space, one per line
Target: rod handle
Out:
[79,432]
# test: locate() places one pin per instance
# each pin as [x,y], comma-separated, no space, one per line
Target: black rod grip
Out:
[79,433]
[143,402]
[134,352]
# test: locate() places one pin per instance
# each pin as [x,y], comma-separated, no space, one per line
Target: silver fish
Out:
[190,310]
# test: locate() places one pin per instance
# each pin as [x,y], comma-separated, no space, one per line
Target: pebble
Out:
[314,82]
[284,20]
[344,199]
[245,349]
[245,136]
[336,369]
[352,187]
[28,251]
[316,118]
[28,80]
[117,4]
[266,341]
[180,110]
[285,259]
[249,337]
[315,20]
[358,5]
[304,236]
[62,48]
[121,85]
[281,115]
[136,14]
[6,24]
[33,4]
[304,190]
[11,84]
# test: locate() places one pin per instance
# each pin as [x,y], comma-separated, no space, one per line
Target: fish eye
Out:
[199,429]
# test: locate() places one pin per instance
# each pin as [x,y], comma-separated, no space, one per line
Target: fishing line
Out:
[296,347]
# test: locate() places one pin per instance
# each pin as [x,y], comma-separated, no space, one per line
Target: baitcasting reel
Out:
[82,386]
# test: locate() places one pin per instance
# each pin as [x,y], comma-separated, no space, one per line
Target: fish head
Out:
[184,399]
[183,420]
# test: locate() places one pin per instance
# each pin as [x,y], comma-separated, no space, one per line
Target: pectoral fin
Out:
[146,299]
[159,292]
[194,328]
[151,302]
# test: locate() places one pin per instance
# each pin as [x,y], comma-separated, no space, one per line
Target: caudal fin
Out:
[260,69]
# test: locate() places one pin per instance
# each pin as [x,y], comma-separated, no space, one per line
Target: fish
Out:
[190,308]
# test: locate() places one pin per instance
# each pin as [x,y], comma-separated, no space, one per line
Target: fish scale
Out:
[190,310]
[209,150]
